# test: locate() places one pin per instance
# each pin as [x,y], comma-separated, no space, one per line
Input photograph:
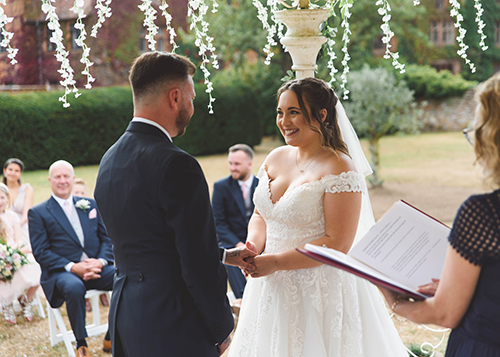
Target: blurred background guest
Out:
[79,188]
[467,298]
[232,203]
[20,193]
[25,280]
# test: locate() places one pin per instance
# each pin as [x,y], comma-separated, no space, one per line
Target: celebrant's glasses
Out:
[468,133]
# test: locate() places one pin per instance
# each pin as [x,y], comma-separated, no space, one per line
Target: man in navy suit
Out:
[71,244]
[233,206]
[169,296]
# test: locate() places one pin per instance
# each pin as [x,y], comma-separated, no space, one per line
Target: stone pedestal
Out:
[303,40]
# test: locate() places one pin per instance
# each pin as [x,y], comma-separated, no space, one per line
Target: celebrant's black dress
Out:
[476,236]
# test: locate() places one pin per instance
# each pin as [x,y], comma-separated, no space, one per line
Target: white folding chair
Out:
[38,303]
[56,321]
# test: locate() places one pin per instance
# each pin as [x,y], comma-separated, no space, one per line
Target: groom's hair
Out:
[154,71]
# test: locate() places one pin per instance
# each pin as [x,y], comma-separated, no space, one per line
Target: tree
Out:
[378,106]
[408,23]
[482,59]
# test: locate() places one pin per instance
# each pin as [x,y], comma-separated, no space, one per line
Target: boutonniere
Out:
[83,204]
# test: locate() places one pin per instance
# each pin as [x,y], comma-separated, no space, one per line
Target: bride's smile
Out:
[291,122]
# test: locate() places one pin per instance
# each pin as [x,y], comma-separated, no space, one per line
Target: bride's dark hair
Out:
[318,95]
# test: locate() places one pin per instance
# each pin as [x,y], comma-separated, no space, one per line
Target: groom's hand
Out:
[241,256]
[224,345]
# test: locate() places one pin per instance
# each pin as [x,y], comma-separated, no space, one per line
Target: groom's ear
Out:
[174,97]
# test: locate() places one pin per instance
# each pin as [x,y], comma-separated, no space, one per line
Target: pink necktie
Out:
[67,208]
[244,191]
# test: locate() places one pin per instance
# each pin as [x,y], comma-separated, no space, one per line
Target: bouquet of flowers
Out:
[11,259]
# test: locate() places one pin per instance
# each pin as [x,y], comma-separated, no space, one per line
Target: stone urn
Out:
[303,39]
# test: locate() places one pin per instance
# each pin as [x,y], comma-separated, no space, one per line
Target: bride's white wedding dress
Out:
[315,312]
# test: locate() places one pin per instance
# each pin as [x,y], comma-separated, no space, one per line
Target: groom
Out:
[169,296]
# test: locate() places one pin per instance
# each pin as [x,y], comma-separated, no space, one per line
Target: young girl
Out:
[28,276]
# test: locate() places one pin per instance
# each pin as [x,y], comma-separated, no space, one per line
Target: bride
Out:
[311,191]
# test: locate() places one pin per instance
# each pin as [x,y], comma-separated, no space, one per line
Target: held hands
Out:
[242,256]
[265,264]
[88,269]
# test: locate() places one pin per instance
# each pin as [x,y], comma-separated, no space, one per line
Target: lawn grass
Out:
[444,159]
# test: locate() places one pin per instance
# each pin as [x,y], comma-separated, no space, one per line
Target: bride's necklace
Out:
[309,163]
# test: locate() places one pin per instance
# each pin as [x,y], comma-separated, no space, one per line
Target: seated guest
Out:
[26,279]
[467,298]
[72,246]
[80,190]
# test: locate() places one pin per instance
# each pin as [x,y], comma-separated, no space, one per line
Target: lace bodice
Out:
[297,217]
[319,311]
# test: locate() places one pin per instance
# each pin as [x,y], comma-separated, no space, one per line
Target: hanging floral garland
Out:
[197,10]
[344,6]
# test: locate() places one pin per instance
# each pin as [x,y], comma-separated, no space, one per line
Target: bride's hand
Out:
[265,264]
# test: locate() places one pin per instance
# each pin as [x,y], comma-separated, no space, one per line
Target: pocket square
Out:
[93,214]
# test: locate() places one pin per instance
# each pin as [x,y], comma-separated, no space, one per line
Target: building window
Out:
[448,33]
[2,37]
[142,40]
[51,46]
[75,33]
[434,35]
[439,4]
[497,33]
[442,33]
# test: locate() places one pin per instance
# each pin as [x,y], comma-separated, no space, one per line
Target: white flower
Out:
[83,204]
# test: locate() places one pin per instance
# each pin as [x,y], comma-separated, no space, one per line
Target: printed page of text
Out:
[406,245]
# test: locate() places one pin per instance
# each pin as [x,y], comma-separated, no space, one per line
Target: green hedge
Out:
[428,83]
[235,120]
[37,129]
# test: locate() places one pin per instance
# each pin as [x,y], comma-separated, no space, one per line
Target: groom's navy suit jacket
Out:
[55,243]
[230,212]
[169,294]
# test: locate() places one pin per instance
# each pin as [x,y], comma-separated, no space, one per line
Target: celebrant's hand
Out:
[429,289]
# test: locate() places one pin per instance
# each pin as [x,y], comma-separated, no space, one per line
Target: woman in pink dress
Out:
[21,194]
[26,280]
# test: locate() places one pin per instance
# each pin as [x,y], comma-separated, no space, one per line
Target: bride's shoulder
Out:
[336,163]
[280,151]
[277,155]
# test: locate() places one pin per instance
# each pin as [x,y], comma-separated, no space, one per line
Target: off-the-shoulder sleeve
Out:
[475,230]
[349,181]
